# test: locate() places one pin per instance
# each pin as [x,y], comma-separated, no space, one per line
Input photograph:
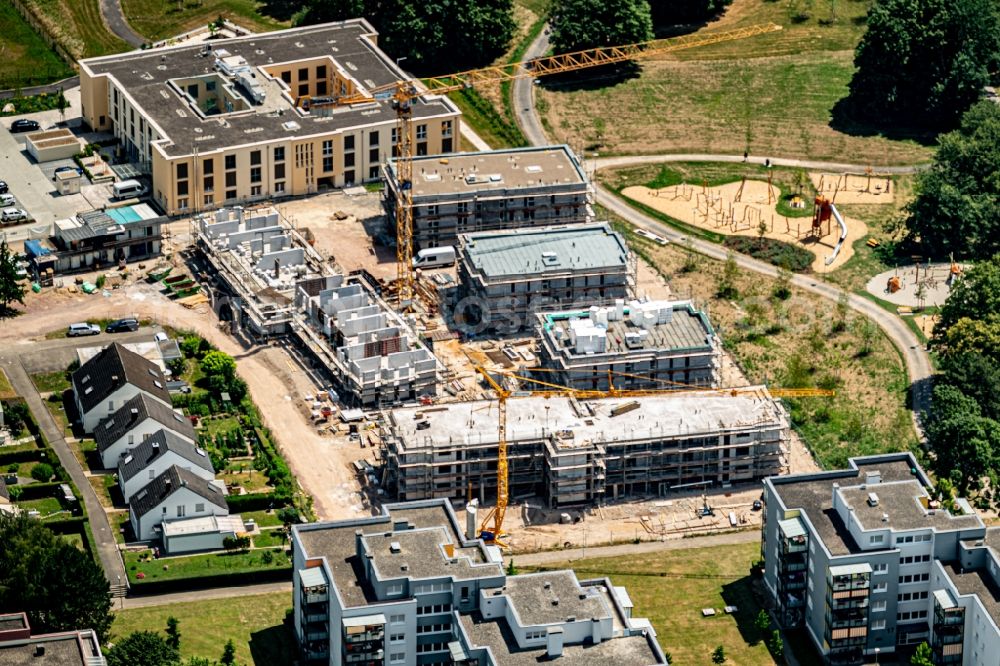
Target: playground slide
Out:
[843,235]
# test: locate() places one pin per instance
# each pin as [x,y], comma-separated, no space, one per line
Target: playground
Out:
[748,207]
[916,285]
[853,188]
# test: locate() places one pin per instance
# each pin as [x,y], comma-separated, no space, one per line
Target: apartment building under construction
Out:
[489,191]
[572,452]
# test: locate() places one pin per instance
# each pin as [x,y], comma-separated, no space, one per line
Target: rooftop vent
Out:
[885,517]
[39,650]
[156,445]
[534,168]
[547,585]
[555,602]
[394,547]
[872,499]
[550,258]
[135,412]
[291,125]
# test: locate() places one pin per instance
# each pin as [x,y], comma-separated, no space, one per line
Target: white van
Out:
[434,257]
[128,189]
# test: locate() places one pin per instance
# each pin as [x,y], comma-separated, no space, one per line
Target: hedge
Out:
[166,586]
[23,455]
[75,525]
[34,491]
[257,501]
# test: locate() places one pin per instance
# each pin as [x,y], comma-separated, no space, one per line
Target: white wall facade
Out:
[182,503]
[161,464]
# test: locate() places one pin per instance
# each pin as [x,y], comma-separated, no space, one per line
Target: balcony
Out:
[315,597]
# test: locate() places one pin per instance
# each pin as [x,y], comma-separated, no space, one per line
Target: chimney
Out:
[471,509]
[554,642]
[596,633]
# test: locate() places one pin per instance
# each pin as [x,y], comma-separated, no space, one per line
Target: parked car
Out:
[13,215]
[3,187]
[122,326]
[77,330]
[24,125]
[7,200]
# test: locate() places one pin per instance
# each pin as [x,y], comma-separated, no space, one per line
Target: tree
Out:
[841,310]
[229,653]
[922,656]
[972,335]
[142,647]
[976,295]
[964,442]
[587,24]
[676,12]
[11,288]
[62,104]
[435,37]
[173,633]
[776,644]
[719,655]
[956,207]
[762,621]
[511,569]
[976,376]
[924,62]
[16,415]
[730,276]
[42,472]
[865,329]
[219,364]
[36,570]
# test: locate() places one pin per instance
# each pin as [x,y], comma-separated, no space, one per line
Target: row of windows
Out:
[435,608]
[434,628]
[914,559]
[914,578]
[428,588]
[913,539]
[911,596]
[911,615]
[432,647]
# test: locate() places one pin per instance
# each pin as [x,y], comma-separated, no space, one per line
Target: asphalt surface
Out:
[114,18]
[918,365]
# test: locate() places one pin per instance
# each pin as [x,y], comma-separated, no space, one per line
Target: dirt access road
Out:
[276,382]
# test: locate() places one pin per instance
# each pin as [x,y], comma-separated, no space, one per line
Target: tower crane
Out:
[491,528]
[402,94]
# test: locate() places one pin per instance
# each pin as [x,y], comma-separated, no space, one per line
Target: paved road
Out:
[203,595]
[100,526]
[65,84]
[114,18]
[918,365]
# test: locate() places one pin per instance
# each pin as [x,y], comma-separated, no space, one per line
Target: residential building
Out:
[490,190]
[112,377]
[19,646]
[409,587]
[577,452]
[154,455]
[868,562]
[139,418]
[188,535]
[106,238]
[651,345]
[288,112]
[505,277]
[175,494]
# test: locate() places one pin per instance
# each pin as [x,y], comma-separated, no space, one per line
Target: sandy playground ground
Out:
[717,209]
[853,188]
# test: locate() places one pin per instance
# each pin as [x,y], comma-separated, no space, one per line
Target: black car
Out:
[122,326]
[24,125]
[3,187]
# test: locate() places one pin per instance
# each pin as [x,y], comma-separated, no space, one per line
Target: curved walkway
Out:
[918,365]
[114,18]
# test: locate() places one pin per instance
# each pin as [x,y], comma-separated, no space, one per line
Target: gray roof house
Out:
[110,378]
[174,495]
[20,646]
[137,419]
[154,455]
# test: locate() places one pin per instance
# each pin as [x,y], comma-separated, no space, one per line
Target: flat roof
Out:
[494,171]
[622,651]
[900,503]
[979,583]
[547,250]
[551,598]
[72,648]
[813,494]
[335,542]
[348,45]
[687,329]
[581,423]
[420,555]
[203,525]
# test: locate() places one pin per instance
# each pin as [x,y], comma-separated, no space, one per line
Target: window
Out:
[349,177]
[255,174]
[875,539]
[373,139]
[397,657]
[254,157]
[303,73]
[231,179]
[397,619]
[880,569]
[180,510]
[397,638]
[286,76]
[373,155]
[279,171]
[199,508]
[349,142]
[422,148]
[182,170]
[152,474]
[230,194]
[230,161]
[421,132]
[279,154]
[327,164]
[303,89]
[446,146]
[445,128]
[209,183]
[255,190]
[279,188]
[209,199]
[880,587]
[208,166]
[320,71]
[182,204]
[878,625]
[879,606]
[328,147]
[349,159]
[372,173]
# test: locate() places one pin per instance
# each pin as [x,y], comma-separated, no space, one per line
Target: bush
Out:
[775,252]
[13,468]
[42,472]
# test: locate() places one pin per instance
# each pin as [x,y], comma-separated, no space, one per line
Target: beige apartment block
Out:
[253,118]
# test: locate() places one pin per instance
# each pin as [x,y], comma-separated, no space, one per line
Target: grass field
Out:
[772,94]
[255,624]
[78,26]
[798,342]
[6,390]
[671,587]
[51,382]
[160,19]
[25,59]
[194,566]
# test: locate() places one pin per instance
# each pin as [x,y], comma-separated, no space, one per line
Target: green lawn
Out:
[78,26]
[51,382]
[672,587]
[6,390]
[194,566]
[160,19]
[46,507]
[269,539]
[262,518]
[26,59]
[255,624]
